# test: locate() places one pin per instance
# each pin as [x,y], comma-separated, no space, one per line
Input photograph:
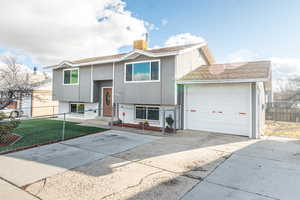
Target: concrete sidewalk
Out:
[10,192]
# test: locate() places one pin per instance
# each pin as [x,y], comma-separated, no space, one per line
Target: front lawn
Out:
[287,129]
[37,131]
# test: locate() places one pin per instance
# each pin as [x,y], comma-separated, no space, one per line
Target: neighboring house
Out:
[39,102]
[144,82]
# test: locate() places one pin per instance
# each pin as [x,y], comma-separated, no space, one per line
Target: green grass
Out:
[39,131]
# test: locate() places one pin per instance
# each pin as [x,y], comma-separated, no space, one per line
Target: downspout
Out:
[161,93]
[113,84]
[78,90]
[113,94]
[92,84]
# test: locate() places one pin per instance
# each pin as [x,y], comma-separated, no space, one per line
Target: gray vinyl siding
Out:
[85,84]
[162,92]
[74,93]
[103,72]
[98,85]
[188,61]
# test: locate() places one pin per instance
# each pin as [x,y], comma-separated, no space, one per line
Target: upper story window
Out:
[146,71]
[71,76]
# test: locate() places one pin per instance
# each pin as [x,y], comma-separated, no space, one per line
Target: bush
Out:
[7,127]
[169,121]
[2,116]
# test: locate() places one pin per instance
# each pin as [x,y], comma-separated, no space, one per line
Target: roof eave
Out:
[223,81]
[149,54]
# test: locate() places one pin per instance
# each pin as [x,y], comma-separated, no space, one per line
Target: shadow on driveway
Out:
[190,165]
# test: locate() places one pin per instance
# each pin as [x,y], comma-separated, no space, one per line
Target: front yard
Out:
[287,129]
[38,131]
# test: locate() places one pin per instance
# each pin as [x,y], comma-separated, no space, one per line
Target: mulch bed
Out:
[137,126]
[8,139]
[149,128]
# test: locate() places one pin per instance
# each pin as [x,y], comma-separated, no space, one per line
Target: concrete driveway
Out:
[124,165]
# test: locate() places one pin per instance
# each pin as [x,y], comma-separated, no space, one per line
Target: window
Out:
[77,108]
[71,76]
[142,71]
[147,113]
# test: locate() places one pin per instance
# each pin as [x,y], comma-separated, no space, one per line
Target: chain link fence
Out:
[39,130]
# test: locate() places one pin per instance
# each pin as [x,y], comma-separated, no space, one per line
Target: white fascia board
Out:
[193,47]
[223,81]
[149,54]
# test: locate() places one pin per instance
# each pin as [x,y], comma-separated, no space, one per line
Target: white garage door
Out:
[223,108]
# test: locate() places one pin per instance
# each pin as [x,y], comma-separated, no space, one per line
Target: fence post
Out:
[112,116]
[53,111]
[64,125]
[164,121]
[175,119]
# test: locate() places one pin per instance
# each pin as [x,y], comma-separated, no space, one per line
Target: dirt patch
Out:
[284,129]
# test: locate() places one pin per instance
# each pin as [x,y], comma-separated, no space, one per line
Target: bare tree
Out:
[14,82]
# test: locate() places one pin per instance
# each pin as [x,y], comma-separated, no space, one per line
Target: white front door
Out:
[224,108]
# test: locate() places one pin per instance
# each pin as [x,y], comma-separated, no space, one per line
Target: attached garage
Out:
[230,101]
[224,108]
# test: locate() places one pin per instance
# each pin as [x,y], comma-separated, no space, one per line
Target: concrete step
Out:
[106,119]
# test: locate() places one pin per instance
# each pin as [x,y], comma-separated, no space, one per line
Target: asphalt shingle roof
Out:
[231,71]
[116,56]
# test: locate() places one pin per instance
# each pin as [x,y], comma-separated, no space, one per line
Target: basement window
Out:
[147,113]
[77,108]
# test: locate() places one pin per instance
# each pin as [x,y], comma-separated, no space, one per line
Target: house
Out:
[39,102]
[145,84]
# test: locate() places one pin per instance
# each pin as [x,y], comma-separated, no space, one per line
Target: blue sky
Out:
[47,32]
[269,28]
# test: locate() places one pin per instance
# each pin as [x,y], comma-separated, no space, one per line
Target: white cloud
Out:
[282,68]
[7,55]
[151,27]
[51,31]
[242,55]
[182,39]
[164,22]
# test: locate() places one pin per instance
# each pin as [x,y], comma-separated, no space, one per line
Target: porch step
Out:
[105,119]
[96,123]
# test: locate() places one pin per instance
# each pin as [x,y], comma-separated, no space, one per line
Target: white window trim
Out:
[70,70]
[77,108]
[146,106]
[143,61]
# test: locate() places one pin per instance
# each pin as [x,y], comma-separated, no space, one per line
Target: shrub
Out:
[169,121]
[146,123]
[2,116]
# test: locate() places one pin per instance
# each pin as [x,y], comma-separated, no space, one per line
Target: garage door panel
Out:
[218,108]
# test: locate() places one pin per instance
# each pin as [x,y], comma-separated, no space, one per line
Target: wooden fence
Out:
[277,112]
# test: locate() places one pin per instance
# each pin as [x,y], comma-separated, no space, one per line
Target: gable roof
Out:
[230,72]
[159,52]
